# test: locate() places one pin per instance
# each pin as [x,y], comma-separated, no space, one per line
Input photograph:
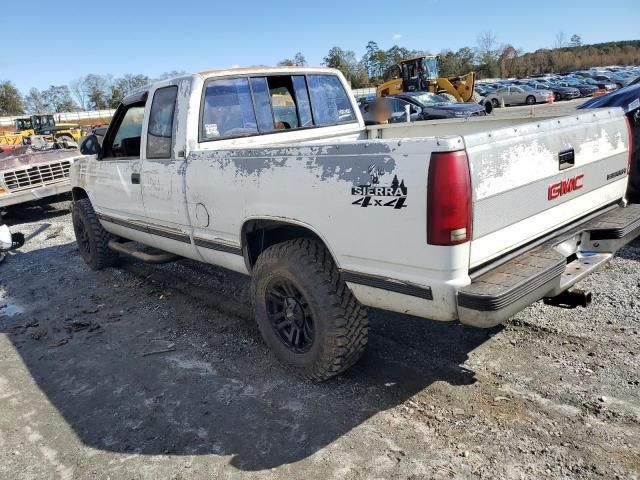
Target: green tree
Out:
[57,98]
[375,61]
[575,41]
[11,102]
[346,61]
[122,87]
[298,60]
[34,102]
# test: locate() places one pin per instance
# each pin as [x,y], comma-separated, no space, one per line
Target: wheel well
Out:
[78,193]
[258,235]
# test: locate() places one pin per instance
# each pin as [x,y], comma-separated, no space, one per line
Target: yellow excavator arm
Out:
[460,87]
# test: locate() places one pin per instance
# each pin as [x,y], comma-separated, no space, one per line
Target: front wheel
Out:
[494,102]
[557,97]
[531,100]
[306,313]
[92,238]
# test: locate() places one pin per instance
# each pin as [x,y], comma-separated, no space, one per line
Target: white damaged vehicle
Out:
[271,172]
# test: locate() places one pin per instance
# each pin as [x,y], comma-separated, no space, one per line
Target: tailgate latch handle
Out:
[566,159]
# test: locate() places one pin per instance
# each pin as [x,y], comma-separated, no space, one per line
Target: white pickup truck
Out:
[271,172]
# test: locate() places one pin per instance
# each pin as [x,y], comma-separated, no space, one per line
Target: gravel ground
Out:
[147,372]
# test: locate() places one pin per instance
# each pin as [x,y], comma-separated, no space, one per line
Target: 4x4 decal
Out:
[376,195]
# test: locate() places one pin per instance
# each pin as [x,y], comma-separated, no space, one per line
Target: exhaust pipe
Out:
[572,298]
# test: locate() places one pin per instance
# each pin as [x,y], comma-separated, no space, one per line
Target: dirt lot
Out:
[159,372]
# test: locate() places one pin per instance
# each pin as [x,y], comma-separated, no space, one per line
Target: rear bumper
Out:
[548,269]
[34,194]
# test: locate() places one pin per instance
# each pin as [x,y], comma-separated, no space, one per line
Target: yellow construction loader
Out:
[421,74]
[44,125]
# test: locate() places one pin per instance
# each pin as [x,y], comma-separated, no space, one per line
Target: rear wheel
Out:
[306,313]
[92,238]
[531,100]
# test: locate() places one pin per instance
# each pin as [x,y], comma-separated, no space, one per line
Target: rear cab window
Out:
[269,104]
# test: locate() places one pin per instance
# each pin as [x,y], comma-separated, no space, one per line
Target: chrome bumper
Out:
[547,270]
[34,194]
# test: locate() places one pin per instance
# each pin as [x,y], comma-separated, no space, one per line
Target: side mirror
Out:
[90,145]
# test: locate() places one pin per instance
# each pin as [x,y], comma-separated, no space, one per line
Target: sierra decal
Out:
[376,195]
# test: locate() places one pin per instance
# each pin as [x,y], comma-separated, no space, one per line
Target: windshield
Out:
[430,99]
[23,124]
[43,121]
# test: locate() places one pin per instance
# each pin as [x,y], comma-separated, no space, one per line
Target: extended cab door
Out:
[160,176]
[117,192]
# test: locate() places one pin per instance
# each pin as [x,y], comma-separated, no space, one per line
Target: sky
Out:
[54,46]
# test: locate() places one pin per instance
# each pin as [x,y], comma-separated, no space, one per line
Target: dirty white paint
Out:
[306,178]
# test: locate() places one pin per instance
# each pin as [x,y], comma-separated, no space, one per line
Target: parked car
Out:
[422,106]
[328,216]
[559,92]
[585,89]
[430,106]
[518,95]
[603,85]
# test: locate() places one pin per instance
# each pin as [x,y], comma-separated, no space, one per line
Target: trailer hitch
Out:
[572,298]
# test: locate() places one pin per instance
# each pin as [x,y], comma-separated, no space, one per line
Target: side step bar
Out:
[549,270]
[129,250]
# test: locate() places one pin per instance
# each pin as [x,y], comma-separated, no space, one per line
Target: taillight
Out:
[449,199]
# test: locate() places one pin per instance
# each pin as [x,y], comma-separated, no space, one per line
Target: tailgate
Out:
[534,178]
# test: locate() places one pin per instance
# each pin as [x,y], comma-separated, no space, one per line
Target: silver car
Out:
[518,95]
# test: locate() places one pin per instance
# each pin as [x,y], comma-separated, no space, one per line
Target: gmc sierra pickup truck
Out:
[271,172]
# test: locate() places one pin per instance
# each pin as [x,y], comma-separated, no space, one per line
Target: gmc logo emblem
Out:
[565,186]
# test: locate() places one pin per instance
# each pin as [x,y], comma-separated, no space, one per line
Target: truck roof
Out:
[138,93]
[259,69]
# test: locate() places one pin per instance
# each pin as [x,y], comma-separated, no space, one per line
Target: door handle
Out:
[135,178]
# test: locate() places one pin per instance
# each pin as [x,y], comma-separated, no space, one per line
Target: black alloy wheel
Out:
[290,315]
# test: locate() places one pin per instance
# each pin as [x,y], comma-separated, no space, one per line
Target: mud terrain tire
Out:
[91,237]
[319,304]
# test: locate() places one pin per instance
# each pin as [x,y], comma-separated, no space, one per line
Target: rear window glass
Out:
[228,110]
[329,101]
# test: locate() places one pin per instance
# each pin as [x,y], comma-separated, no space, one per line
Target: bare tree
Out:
[79,92]
[34,102]
[487,43]
[560,40]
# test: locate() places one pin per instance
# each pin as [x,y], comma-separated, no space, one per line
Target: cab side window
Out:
[329,101]
[237,107]
[160,132]
[126,140]
[228,110]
